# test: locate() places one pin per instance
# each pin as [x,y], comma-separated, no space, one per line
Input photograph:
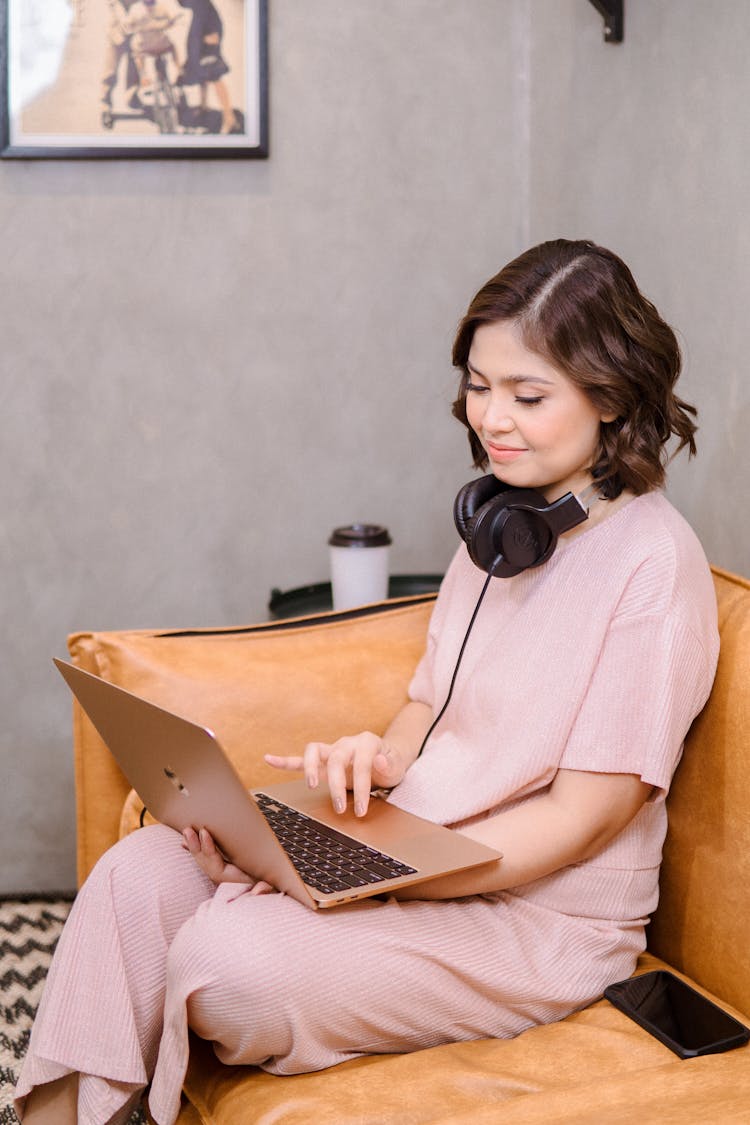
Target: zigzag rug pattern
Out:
[29,929]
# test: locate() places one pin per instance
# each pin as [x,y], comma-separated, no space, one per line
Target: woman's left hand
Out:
[203,849]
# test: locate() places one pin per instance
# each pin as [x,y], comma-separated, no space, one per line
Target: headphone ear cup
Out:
[503,528]
[506,539]
[474,545]
[470,499]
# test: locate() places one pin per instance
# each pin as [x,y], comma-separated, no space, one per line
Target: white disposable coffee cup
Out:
[359,564]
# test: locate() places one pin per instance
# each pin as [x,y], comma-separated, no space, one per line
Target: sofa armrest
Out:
[263,689]
[702,921]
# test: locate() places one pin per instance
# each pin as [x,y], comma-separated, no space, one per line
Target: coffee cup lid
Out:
[360,535]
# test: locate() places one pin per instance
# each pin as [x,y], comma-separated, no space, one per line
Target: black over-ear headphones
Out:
[507,530]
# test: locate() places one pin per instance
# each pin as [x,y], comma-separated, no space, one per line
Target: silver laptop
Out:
[287,834]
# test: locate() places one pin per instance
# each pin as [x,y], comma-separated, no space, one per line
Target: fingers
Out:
[320,759]
[338,764]
[191,842]
[208,857]
[262,888]
[362,783]
[203,849]
[314,756]
[387,768]
[284,763]
[355,762]
[348,765]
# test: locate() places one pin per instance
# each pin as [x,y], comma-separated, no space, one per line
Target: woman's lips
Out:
[503,454]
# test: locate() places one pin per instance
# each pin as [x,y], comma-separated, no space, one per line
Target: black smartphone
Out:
[677,1015]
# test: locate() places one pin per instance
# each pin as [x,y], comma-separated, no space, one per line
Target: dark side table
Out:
[303,601]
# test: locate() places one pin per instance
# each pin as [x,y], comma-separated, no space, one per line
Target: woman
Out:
[577,685]
[205,63]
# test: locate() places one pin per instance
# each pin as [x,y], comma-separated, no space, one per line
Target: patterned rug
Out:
[29,929]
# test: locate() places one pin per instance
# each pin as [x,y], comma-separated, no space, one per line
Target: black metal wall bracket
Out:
[612,12]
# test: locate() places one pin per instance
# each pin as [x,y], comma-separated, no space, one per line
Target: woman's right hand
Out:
[357,762]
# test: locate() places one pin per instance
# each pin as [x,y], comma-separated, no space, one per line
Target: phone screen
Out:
[681,1018]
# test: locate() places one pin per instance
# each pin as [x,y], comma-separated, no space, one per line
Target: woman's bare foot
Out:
[54,1103]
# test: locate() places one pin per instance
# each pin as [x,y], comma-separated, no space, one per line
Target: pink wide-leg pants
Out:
[152,947]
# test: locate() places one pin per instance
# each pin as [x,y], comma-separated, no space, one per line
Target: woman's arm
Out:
[361,761]
[573,820]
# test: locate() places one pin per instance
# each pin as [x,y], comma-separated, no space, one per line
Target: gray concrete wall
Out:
[208,365]
[645,147]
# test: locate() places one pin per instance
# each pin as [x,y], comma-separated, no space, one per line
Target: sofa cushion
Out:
[596,1065]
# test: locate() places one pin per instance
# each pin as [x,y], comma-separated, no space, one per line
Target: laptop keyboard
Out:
[326,859]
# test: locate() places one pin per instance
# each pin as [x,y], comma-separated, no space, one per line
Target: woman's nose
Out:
[496,417]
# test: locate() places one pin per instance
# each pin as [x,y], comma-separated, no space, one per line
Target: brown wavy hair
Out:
[578,306]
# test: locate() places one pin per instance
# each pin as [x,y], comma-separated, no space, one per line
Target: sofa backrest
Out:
[263,689]
[702,923]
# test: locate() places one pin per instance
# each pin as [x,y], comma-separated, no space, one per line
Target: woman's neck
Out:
[599,511]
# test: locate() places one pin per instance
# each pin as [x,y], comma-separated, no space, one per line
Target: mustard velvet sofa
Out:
[270,688]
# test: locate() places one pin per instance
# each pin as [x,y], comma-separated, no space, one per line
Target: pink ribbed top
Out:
[597,660]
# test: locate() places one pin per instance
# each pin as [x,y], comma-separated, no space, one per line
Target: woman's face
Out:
[536,427]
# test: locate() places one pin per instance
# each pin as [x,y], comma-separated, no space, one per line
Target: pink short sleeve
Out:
[649,683]
[422,689]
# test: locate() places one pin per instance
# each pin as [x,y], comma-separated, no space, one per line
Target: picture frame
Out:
[133,79]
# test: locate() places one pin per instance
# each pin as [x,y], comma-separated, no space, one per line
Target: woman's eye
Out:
[529,401]
[476,387]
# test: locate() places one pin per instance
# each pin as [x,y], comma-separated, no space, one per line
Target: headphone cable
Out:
[458,663]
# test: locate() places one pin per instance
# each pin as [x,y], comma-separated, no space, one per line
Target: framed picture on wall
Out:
[133,78]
